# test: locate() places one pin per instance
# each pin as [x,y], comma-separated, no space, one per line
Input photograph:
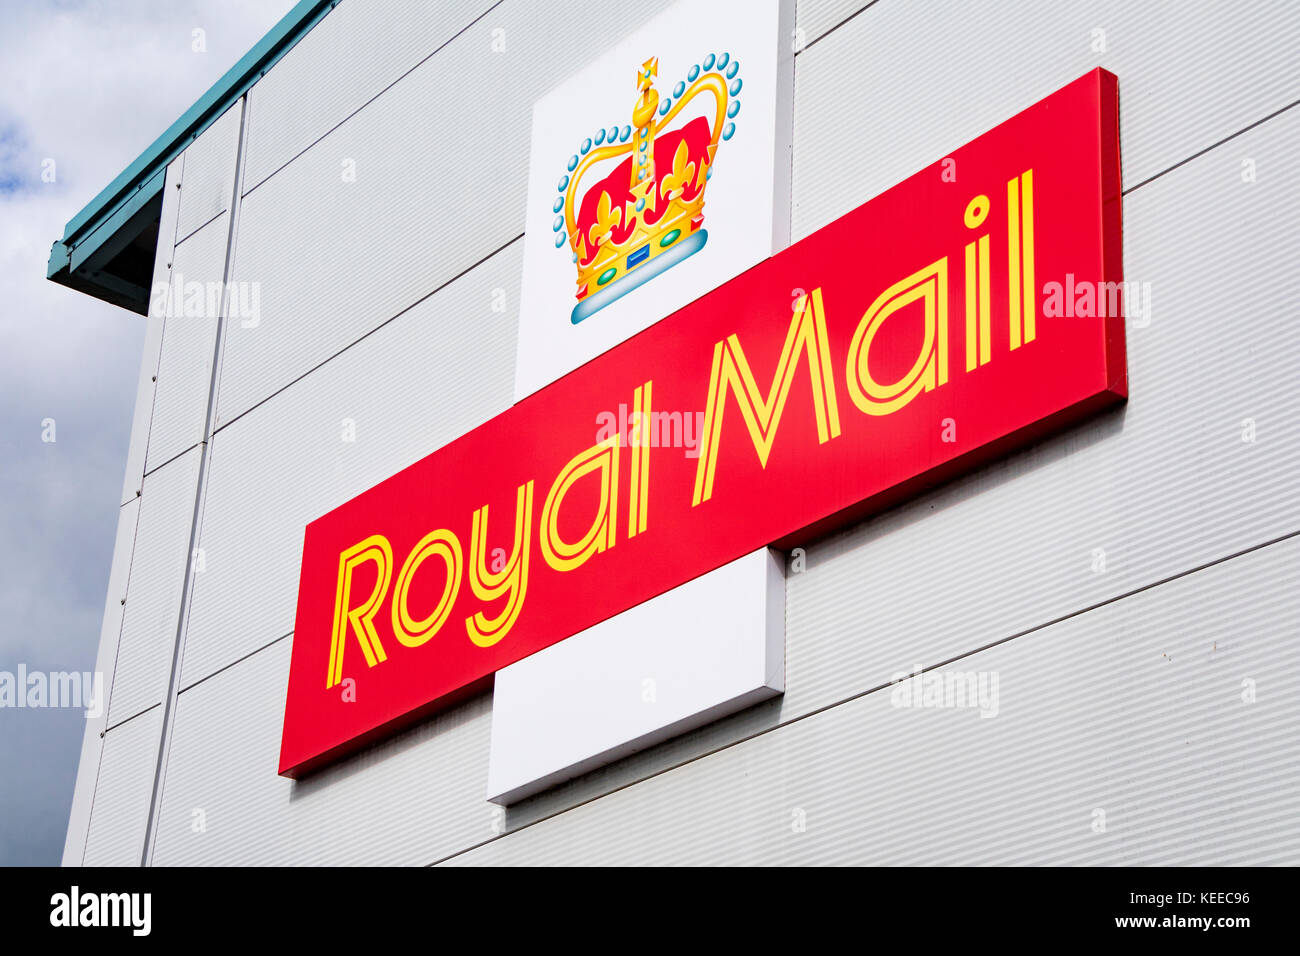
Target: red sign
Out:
[898,346]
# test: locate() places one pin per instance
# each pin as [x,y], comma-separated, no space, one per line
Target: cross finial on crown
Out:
[649,70]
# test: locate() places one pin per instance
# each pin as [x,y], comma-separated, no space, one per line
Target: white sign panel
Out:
[656,173]
[655,671]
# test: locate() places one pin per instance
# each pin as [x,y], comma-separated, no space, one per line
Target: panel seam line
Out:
[239,660]
[451,39]
[357,341]
[1216,145]
[822,36]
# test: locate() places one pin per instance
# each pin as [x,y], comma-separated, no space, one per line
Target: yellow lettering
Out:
[563,555]
[638,500]
[930,286]
[762,414]
[1020,258]
[511,580]
[442,544]
[374,548]
[979,323]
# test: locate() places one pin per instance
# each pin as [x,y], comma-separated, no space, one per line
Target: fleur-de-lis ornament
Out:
[682,175]
[607,217]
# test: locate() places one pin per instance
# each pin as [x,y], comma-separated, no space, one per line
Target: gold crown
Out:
[640,220]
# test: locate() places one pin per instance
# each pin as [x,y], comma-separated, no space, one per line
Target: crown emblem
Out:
[647,213]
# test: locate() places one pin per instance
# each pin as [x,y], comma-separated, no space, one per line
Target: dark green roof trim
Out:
[95,235]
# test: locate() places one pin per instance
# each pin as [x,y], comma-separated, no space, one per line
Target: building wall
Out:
[1122,680]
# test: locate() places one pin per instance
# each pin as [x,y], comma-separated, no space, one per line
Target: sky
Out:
[88,84]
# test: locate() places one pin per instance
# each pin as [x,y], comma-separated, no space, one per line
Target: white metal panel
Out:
[188,343]
[408,800]
[345,60]
[1135,709]
[208,182]
[903,84]
[1162,486]
[125,782]
[152,349]
[110,631]
[153,593]
[418,382]
[440,180]
[142,415]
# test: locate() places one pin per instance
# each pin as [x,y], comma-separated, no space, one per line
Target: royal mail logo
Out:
[666,156]
[918,350]
[646,214]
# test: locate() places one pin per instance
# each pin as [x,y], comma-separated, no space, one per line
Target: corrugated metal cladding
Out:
[453,131]
[208,174]
[152,351]
[120,807]
[95,735]
[153,589]
[1131,584]
[903,84]
[188,342]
